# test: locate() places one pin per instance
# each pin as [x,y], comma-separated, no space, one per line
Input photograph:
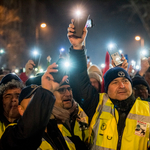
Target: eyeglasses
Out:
[11,96]
[63,90]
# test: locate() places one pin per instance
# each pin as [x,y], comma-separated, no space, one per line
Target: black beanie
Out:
[114,73]
[140,80]
[10,77]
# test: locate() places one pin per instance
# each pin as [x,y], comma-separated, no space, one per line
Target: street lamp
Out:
[138,38]
[42,25]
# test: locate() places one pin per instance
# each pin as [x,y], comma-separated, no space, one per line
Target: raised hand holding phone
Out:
[77,43]
[48,81]
[114,54]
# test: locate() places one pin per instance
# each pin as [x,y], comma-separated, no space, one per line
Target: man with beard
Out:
[10,88]
[114,115]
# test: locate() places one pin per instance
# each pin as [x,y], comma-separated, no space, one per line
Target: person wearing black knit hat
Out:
[10,88]
[140,87]
[118,120]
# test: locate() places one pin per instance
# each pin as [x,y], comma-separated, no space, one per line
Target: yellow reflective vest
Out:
[81,131]
[104,124]
[2,128]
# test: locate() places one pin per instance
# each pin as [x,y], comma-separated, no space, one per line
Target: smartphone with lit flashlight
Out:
[88,59]
[58,76]
[79,24]
[36,60]
[115,55]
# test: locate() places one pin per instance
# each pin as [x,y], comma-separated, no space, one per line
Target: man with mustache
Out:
[119,121]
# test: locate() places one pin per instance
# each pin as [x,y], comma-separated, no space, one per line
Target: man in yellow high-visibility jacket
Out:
[118,120]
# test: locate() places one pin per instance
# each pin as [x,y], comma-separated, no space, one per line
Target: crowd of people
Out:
[74,114]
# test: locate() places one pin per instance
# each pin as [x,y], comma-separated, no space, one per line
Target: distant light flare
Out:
[137,38]
[144,52]
[41,70]
[16,70]
[111,46]
[43,25]
[35,52]
[36,69]
[78,13]
[102,65]
[137,67]
[120,51]
[1,51]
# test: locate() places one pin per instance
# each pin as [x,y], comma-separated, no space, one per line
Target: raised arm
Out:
[84,93]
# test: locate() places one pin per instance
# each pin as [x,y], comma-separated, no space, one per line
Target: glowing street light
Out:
[43,25]
[138,38]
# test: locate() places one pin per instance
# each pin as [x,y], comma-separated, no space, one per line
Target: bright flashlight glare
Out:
[111,46]
[120,51]
[41,70]
[133,71]
[62,49]
[137,67]
[36,69]
[31,76]
[144,52]
[1,51]
[78,12]
[117,59]
[102,65]
[35,53]
[133,62]
[16,71]
[67,64]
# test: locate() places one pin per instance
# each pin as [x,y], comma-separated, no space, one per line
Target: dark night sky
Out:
[111,25]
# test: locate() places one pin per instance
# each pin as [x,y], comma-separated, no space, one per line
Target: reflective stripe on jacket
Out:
[104,124]
[2,128]
[79,130]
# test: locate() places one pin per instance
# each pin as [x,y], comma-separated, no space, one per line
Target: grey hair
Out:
[4,87]
[11,85]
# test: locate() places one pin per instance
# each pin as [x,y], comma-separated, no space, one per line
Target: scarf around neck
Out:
[64,115]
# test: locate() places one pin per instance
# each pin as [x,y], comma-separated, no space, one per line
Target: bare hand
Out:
[48,80]
[144,66]
[76,42]
[124,64]
[29,67]
[130,69]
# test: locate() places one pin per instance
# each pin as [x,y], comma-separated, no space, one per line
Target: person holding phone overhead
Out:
[118,120]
